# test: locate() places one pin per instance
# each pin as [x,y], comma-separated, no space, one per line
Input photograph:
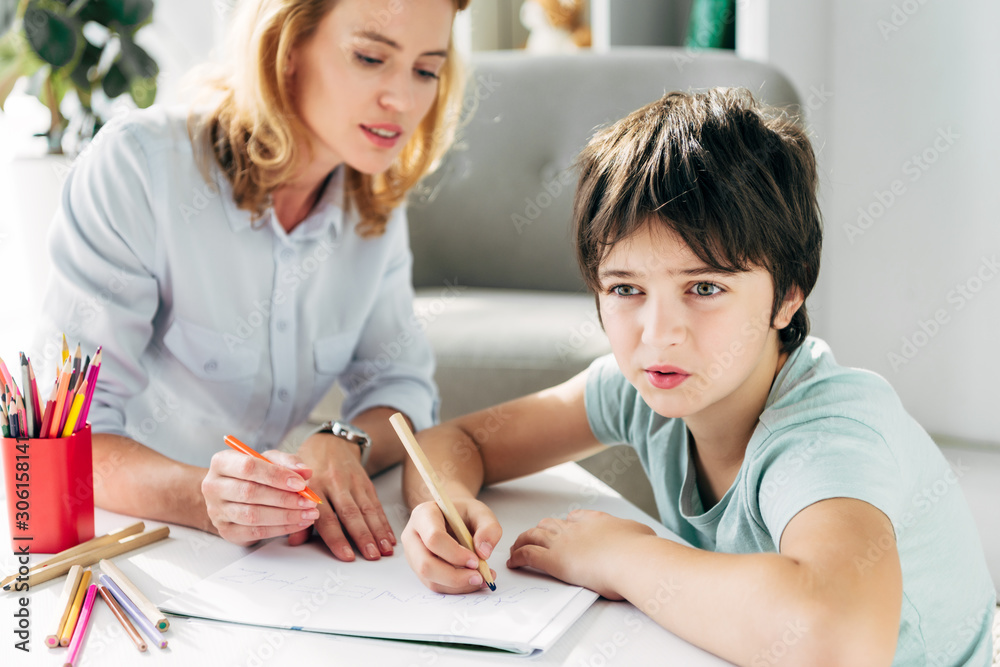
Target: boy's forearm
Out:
[456,460]
[131,478]
[751,609]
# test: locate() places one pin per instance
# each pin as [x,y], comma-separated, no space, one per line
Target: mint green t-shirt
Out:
[826,432]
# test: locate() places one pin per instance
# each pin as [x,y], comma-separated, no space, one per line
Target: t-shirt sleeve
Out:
[609,399]
[828,458]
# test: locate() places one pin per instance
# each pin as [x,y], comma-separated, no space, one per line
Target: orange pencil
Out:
[235,443]
[62,385]
[74,612]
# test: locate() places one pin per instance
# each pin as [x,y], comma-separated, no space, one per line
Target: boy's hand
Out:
[581,550]
[440,562]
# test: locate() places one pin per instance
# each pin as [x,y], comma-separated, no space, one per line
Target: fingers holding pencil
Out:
[250,499]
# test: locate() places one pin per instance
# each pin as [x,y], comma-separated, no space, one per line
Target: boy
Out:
[801,485]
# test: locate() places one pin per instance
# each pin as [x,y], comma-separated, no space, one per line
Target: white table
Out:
[609,633]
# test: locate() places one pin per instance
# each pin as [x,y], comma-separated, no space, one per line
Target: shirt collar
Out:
[326,214]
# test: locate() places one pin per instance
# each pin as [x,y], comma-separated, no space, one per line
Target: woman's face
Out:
[367,77]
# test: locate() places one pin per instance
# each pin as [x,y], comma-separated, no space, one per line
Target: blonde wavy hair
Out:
[252,129]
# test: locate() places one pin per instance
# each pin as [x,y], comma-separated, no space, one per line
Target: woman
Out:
[235,261]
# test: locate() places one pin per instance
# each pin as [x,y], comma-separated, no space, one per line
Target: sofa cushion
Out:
[494,345]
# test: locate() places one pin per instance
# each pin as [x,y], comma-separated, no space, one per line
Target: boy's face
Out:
[686,337]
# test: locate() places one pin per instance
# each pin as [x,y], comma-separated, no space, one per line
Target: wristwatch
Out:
[352,434]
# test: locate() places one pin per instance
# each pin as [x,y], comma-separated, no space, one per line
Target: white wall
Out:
[905,97]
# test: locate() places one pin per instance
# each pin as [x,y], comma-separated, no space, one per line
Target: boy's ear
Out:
[793,301]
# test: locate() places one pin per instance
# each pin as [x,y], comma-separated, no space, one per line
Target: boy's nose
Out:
[664,325]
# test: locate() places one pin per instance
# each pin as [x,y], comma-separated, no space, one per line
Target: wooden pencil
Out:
[430,478]
[119,613]
[67,630]
[89,558]
[62,386]
[83,547]
[81,626]
[133,611]
[66,598]
[141,601]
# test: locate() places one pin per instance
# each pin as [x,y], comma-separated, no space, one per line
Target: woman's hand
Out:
[439,561]
[581,550]
[349,500]
[249,500]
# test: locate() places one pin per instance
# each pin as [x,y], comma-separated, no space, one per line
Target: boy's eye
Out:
[707,289]
[624,290]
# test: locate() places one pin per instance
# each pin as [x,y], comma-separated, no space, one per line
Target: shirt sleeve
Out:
[393,363]
[823,459]
[101,290]
[610,401]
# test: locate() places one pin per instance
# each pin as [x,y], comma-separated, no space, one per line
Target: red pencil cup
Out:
[50,491]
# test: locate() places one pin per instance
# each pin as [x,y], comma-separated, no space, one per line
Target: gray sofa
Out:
[494,263]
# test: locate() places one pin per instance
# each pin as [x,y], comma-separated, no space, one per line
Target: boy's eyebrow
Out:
[377,37]
[693,271]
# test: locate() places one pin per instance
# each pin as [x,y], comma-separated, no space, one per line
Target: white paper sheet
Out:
[306,588]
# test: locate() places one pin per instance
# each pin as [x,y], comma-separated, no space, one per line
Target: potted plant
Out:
[83,47]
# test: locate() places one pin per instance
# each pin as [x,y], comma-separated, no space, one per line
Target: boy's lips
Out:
[666,377]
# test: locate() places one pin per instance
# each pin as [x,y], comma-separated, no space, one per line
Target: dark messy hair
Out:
[736,181]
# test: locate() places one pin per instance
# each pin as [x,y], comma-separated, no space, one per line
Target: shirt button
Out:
[211,365]
[287,255]
[283,394]
[282,325]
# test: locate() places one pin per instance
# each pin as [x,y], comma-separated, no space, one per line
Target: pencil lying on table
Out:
[89,558]
[440,497]
[66,599]
[82,548]
[131,590]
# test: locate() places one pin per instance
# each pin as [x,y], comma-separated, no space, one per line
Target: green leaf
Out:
[143,92]
[135,61]
[130,13]
[53,37]
[98,11]
[88,60]
[115,82]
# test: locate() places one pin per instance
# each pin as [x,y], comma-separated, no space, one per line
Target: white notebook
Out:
[305,588]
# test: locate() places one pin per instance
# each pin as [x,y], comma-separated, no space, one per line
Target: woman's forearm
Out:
[130,478]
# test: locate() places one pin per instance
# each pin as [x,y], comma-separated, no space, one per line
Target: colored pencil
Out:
[29,405]
[82,548]
[89,558]
[81,626]
[35,400]
[62,385]
[95,368]
[74,412]
[66,598]
[430,478]
[65,350]
[133,611]
[236,444]
[74,613]
[131,590]
[119,613]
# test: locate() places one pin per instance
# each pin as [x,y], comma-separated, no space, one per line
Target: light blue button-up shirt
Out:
[210,326]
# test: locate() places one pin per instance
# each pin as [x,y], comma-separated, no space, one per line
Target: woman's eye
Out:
[707,289]
[366,60]
[624,290]
[427,74]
